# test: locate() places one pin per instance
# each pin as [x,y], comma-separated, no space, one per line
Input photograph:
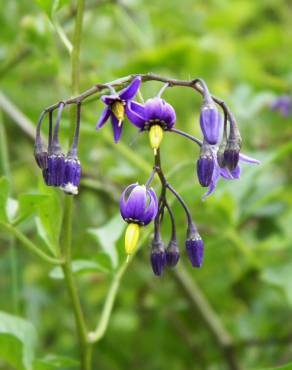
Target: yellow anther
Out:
[118,110]
[131,238]
[155,137]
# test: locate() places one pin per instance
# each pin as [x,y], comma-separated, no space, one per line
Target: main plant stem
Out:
[66,236]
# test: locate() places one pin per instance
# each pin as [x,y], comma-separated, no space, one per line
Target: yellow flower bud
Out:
[118,110]
[155,137]
[131,237]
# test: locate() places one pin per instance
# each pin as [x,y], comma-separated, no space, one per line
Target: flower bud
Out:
[72,174]
[54,173]
[157,257]
[210,122]
[172,254]
[205,165]
[194,247]
[41,157]
[231,154]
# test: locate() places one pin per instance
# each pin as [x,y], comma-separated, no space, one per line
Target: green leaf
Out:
[29,203]
[49,220]
[4,191]
[280,276]
[107,237]
[51,362]
[78,267]
[17,341]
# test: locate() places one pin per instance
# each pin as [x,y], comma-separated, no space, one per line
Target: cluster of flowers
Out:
[219,157]
[58,169]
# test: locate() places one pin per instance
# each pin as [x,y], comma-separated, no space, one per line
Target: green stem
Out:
[66,235]
[29,244]
[102,325]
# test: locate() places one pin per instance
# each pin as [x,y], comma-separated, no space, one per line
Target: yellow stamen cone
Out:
[131,238]
[155,137]
[118,110]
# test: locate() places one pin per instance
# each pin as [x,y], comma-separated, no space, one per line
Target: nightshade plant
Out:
[139,206]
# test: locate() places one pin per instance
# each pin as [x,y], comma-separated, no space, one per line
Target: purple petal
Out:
[136,203]
[117,130]
[123,200]
[102,118]
[153,108]
[212,186]
[109,99]
[135,113]
[236,172]
[130,91]
[168,115]
[247,159]
[226,173]
[152,208]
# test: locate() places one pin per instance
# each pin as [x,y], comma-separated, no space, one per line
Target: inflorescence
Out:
[219,157]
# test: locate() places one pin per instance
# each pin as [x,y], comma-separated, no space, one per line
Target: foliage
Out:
[243,50]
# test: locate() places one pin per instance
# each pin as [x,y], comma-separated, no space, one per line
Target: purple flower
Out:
[72,174]
[54,173]
[205,165]
[282,104]
[226,173]
[117,107]
[156,115]
[157,257]
[172,254]
[210,122]
[155,111]
[138,204]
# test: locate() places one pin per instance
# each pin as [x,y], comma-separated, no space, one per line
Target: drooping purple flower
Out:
[210,122]
[282,104]
[155,111]
[54,173]
[172,253]
[226,173]
[117,107]
[72,174]
[138,204]
[157,257]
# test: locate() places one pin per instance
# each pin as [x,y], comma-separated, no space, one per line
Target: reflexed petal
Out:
[130,91]
[117,130]
[226,173]
[212,186]
[136,203]
[135,113]
[236,172]
[168,115]
[109,99]
[102,118]
[247,159]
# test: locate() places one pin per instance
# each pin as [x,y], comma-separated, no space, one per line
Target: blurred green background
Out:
[244,290]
